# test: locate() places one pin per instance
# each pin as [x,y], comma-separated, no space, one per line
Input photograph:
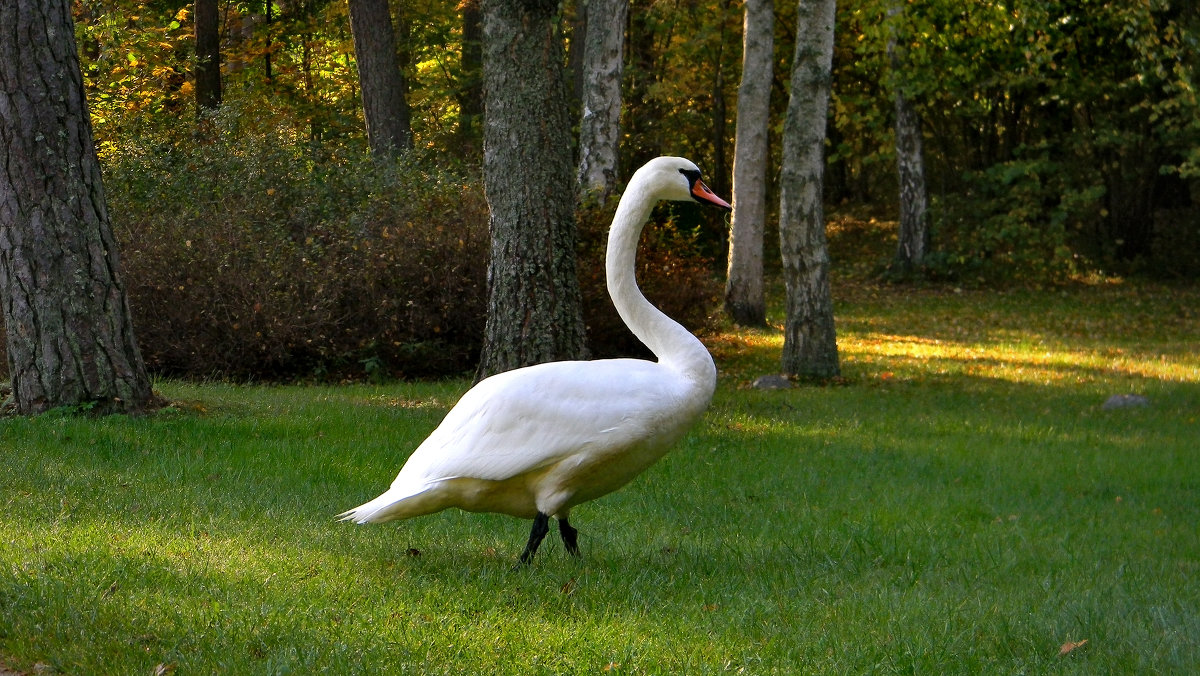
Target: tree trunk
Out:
[744,301]
[69,335]
[599,127]
[533,292]
[810,342]
[266,52]
[913,238]
[208,55]
[719,110]
[470,83]
[385,108]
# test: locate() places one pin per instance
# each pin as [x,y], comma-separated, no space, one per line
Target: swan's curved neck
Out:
[674,345]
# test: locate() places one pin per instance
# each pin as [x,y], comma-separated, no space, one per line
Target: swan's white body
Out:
[536,441]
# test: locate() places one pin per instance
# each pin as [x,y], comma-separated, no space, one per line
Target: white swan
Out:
[536,441]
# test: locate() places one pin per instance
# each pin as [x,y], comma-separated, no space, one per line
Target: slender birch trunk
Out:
[744,301]
[810,342]
[599,125]
[913,238]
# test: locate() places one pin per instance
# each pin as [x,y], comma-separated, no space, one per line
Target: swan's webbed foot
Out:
[541,526]
[570,537]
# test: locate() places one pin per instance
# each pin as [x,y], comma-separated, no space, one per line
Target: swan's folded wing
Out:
[521,421]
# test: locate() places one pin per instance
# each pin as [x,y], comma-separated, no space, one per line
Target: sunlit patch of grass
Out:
[1024,360]
[741,353]
[1024,336]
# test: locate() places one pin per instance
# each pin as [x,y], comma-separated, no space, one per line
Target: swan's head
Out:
[676,178]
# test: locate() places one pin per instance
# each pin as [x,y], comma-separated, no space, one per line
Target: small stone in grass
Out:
[1124,401]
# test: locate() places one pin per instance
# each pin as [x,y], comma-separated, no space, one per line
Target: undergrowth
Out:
[256,257]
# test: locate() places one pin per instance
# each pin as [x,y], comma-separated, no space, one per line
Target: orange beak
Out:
[703,194]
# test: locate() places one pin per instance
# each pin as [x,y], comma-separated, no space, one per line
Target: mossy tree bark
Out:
[534,301]
[69,336]
[809,341]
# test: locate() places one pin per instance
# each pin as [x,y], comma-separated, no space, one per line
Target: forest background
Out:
[261,241]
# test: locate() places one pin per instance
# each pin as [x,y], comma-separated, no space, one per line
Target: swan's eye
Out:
[692,175]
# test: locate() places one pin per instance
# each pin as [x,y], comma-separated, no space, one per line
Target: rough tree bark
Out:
[810,342]
[599,126]
[534,301]
[208,55]
[385,107]
[913,238]
[744,301]
[70,340]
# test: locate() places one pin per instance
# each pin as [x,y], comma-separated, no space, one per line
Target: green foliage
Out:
[1015,220]
[296,69]
[1087,111]
[136,66]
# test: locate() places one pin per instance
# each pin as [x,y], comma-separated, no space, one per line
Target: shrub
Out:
[1016,221]
[252,256]
[1176,241]
[256,255]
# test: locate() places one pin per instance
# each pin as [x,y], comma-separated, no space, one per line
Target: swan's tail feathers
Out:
[391,505]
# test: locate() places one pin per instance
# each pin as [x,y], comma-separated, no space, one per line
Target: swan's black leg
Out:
[541,526]
[570,536]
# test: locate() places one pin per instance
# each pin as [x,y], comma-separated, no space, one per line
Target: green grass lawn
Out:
[958,503]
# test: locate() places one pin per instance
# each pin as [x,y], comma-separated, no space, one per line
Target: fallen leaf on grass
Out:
[611,665]
[568,587]
[1071,645]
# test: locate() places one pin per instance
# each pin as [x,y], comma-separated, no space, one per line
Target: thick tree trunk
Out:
[533,292]
[69,336]
[744,301]
[913,237]
[810,342]
[599,127]
[208,55]
[385,108]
